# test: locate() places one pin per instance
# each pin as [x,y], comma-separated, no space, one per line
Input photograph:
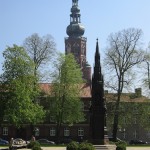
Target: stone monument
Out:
[98,130]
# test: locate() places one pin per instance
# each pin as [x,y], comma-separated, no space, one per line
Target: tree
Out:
[17,90]
[40,50]
[66,106]
[132,113]
[121,56]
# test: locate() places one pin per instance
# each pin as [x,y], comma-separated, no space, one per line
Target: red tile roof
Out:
[46,88]
[85,89]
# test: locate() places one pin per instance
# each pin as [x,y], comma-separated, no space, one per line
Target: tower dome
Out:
[75,29]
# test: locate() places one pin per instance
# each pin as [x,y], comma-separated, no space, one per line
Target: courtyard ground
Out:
[64,148]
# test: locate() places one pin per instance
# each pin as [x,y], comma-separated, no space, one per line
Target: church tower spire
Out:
[76,43]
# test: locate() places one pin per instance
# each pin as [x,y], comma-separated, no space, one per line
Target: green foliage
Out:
[36,147]
[66,106]
[73,146]
[138,112]
[82,146]
[86,146]
[121,145]
[32,144]
[20,88]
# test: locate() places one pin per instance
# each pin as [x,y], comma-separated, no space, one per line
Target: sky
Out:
[19,19]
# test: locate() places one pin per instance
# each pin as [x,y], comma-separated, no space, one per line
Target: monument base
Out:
[105,147]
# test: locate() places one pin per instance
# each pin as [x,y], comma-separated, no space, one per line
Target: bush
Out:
[73,146]
[32,144]
[121,145]
[36,147]
[86,146]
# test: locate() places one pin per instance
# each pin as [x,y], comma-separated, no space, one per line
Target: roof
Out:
[111,97]
[46,88]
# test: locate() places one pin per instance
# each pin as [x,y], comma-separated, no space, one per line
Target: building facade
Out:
[75,43]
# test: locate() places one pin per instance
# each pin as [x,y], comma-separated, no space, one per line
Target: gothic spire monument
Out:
[75,43]
[98,108]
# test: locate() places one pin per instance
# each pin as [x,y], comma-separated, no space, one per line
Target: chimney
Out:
[138,92]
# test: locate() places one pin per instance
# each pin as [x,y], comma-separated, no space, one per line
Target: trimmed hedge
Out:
[83,146]
[121,145]
[73,146]
[86,146]
[34,145]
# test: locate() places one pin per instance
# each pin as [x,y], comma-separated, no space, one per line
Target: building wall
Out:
[127,131]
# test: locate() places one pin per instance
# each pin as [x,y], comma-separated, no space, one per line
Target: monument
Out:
[98,129]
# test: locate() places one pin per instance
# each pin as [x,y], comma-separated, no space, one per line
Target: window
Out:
[52,131]
[66,132]
[5,131]
[80,131]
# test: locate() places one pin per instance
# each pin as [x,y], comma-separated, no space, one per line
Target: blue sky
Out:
[21,18]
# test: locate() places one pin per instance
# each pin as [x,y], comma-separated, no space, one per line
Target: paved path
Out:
[64,148]
[53,148]
[138,148]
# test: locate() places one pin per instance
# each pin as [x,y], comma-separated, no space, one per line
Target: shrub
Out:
[73,146]
[36,147]
[121,145]
[32,144]
[86,146]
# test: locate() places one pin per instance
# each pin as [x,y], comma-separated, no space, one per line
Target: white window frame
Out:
[52,131]
[5,130]
[66,131]
[80,131]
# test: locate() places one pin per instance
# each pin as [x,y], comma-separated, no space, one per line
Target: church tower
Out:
[76,43]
